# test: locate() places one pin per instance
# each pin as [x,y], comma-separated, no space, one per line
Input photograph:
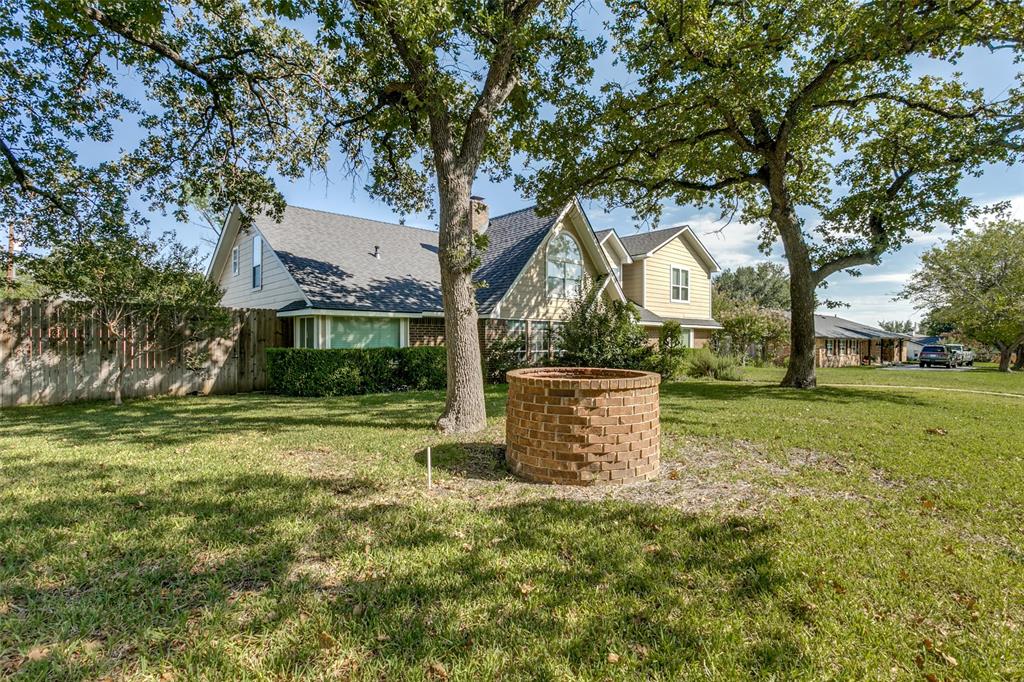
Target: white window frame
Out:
[672,285]
[234,261]
[257,261]
[561,293]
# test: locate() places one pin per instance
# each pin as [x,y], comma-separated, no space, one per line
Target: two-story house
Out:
[347,282]
[667,274]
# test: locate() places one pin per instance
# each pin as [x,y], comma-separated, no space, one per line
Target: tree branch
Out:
[28,184]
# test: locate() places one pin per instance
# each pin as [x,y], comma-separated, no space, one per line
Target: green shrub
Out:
[670,359]
[602,333]
[504,355]
[330,372]
[703,364]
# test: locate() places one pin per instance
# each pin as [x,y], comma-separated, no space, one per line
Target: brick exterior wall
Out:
[583,426]
[426,331]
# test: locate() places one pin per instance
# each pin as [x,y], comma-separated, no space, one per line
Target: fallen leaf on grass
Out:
[326,640]
[613,658]
[936,431]
[527,587]
[652,548]
[927,504]
[437,671]
[38,653]
[358,610]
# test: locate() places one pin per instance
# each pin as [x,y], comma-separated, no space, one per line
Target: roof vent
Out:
[376,251]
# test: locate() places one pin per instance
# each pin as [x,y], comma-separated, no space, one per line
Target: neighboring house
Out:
[347,282]
[915,345]
[667,274]
[842,343]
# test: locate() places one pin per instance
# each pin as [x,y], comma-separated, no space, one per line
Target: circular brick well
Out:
[583,425]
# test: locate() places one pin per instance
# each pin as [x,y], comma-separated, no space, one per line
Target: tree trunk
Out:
[1019,364]
[1005,353]
[464,410]
[118,378]
[802,283]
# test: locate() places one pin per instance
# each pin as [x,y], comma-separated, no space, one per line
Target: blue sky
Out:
[869,296]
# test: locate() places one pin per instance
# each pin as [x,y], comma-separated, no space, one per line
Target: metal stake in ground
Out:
[430,478]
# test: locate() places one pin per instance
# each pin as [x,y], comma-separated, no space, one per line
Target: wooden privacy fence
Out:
[50,355]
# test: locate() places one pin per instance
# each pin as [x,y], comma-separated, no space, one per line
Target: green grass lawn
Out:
[837,534]
[982,377]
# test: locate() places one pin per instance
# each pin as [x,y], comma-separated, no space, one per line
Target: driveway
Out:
[917,368]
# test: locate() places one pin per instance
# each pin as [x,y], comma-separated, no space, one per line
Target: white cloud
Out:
[731,243]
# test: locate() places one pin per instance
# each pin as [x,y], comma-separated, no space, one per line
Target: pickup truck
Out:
[965,356]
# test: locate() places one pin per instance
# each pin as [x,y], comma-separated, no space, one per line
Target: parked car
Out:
[937,355]
[965,356]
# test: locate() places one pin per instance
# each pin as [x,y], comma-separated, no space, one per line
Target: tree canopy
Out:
[766,285]
[975,282]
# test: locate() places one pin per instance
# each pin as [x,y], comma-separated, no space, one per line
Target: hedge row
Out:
[308,372]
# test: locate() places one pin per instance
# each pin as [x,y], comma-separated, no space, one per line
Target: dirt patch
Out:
[697,475]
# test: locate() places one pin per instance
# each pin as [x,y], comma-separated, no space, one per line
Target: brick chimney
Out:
[479,215]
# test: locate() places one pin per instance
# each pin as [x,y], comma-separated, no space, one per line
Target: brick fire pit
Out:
[582,425]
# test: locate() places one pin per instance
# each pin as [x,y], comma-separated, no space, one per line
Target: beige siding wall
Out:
[528,298]
[278,289]
[633,281]
[656,268]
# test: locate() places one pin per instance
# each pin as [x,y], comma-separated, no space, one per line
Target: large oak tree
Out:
[806,117]
[420,95]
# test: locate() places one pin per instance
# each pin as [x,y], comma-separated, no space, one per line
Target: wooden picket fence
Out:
[48,355]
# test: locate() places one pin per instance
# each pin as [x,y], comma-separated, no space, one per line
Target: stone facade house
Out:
[346,282]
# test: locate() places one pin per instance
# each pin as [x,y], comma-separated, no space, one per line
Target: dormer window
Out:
[564,267]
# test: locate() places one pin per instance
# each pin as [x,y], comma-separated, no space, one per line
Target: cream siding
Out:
[528,297]
[279,289]
[657,269]
[633,281]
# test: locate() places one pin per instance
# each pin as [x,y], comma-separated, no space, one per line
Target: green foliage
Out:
[598,332]
[703,364]
[765,284]
[505,354]
[897,326]
[333,372]
[670,358]
[975,282]
[745,324]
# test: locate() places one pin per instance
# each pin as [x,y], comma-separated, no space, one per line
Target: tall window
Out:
[257,262]
[234,261]
[540,340]
[565,267]
[516,329]
[306,332]
[679,285]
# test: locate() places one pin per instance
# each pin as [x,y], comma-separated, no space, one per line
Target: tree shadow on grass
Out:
[480,460]
[547,589]
[110,554]
[161,572]
[729,391]
[181,421]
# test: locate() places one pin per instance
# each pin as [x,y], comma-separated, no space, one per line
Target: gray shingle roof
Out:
[601,234]
[331,257]
[645,242]
[832,327]
[650,317]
